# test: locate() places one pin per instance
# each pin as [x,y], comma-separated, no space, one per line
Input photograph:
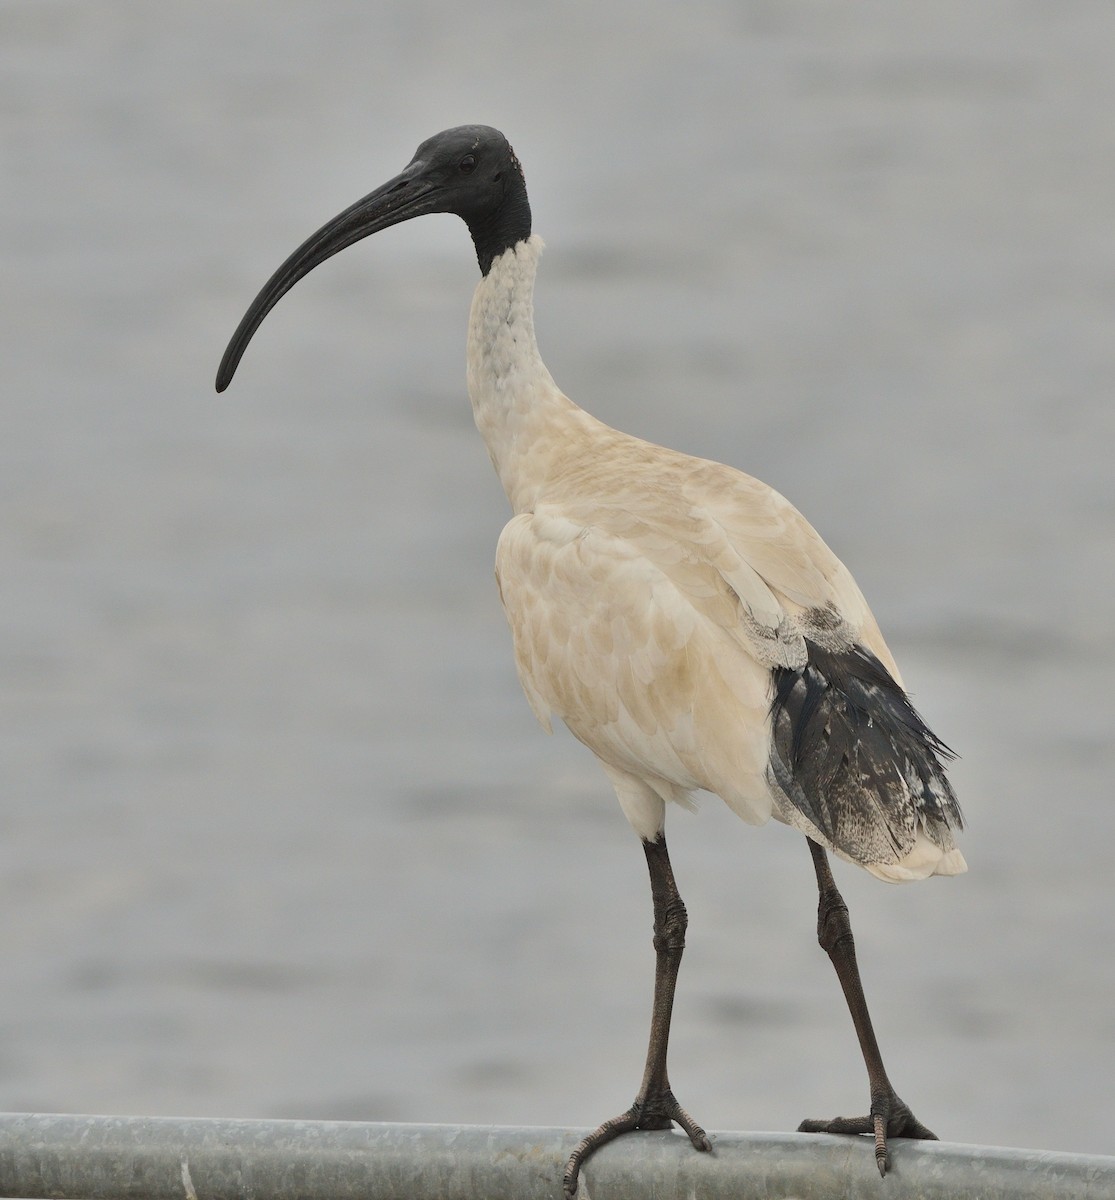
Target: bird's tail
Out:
[855,767]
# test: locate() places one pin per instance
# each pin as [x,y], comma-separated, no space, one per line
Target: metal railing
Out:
[166,1158]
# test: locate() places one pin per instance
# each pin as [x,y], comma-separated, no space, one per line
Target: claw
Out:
[881,1144]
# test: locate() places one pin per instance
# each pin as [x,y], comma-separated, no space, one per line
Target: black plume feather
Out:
[849,750]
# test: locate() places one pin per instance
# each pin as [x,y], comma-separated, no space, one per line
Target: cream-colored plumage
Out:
[650,594]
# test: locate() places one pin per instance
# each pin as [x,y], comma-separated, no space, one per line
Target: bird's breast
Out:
[606,640]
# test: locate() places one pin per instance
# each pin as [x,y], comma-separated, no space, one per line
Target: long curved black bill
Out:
[407,195]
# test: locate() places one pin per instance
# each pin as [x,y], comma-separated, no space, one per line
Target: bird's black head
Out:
[475,174]
[471,171]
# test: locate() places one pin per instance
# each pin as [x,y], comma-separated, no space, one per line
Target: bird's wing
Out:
[852,763]
[764,535]
[692,516]
[707,525]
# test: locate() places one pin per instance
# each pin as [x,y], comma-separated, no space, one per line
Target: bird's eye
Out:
[467,164]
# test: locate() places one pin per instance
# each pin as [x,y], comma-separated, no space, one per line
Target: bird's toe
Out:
[890,1117]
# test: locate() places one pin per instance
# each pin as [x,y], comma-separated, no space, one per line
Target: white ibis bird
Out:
[683,619]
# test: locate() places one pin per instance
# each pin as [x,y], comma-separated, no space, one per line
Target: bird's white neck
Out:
[519,410]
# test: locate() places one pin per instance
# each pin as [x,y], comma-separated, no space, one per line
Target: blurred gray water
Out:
[279,834]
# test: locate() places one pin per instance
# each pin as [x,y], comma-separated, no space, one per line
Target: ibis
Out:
[683,620]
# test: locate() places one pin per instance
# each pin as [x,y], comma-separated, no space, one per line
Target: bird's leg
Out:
[655,1106]
[889,1116]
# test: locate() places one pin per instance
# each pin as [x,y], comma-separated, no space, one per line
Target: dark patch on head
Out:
[481,180]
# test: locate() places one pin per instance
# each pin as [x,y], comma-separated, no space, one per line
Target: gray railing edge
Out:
[167,1158]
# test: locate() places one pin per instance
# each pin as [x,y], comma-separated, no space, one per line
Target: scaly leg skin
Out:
[655,1106]
[889,1116]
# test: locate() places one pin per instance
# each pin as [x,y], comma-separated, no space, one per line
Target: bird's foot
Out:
[650,1112]
[889,1117]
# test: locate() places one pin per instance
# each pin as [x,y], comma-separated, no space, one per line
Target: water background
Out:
[278,834]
